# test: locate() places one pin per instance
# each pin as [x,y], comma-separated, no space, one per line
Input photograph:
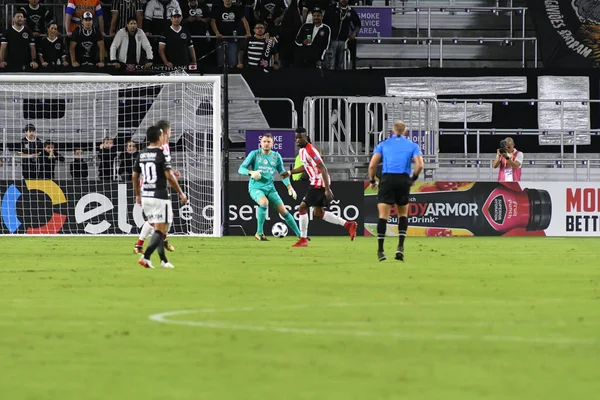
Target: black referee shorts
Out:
[394,189]
[315,197]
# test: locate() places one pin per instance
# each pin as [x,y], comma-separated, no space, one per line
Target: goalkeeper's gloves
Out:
[256,175]
[292,193]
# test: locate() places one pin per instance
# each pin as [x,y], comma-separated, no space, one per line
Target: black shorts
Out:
[394,189]
[316,197]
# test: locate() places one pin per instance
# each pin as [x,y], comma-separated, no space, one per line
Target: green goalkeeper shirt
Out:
[267,164]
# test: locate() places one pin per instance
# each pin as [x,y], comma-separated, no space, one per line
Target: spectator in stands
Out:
[52,52]
[87,44]
[31,151]
[177,47]
[227,21]
[196,19]
[77,9]
[78,168]
[17,48]
[50,158]
[339,19]
[106,156]
[127,46]
[121,13]
[291,23]
[270,13]
[308,5]
[37,17]
[258,50]
[312,41]
[509,160]
[127,159]
[157,17]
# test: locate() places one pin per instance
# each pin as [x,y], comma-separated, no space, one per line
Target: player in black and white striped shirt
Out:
[122,10]
[258,50]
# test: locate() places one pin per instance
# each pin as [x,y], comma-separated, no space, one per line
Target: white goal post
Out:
[68,144]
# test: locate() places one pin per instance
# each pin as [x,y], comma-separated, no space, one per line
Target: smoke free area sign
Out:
[284,141]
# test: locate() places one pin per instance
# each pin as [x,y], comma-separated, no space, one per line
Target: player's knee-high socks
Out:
[156,243]
[381,227]
[303,225]
[402,227]
[334,219]
[289,220]
[146,231]
[260,218]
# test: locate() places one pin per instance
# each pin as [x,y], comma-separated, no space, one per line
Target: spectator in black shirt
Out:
[17,49]
[78,168]
[49,159]
[308,5]
[196,18]
[52,49]
[269,12]
[339,19]
[128,44]
[228,21]
[312,41]
[258,50]
[177,48]
[31,151]
[157,17]
[87,44]
[291,23]
[37,17]
[107,155]
[127,160]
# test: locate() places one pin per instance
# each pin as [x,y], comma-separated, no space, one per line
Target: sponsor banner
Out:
[495,209]
[348,204]
[284,141]
[51,207]
[374,21]
[567,32]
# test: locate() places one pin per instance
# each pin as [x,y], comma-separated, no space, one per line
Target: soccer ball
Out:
[279,230]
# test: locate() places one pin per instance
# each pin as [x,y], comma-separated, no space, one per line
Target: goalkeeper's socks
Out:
[156,241]
[289,220]
[260,218]
[333,219]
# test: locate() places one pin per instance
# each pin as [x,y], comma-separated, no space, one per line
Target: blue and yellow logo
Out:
[9,207]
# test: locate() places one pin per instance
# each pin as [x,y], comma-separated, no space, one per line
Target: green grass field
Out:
[470,318]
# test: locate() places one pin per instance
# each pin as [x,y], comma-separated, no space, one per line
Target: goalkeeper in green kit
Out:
[261,165]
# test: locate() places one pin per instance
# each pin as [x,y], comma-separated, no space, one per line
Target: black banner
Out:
[348,204]
[567,32]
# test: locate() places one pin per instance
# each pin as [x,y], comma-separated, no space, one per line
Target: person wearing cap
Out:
[87,44]
[128,44]
[31,151]
[17,48]
[75,11]
[312,41]
[177,47]
[157,16]
[509,160]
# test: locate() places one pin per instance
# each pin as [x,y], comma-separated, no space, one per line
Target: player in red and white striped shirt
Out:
[319,193]
[148,229]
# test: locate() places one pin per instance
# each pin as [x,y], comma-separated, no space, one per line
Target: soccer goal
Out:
[69,142]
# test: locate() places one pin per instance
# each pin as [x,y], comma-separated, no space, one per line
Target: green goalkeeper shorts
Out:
[270,194]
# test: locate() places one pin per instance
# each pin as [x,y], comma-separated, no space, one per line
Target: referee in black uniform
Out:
[396,153]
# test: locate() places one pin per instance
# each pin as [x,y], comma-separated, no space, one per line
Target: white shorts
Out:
[157,210]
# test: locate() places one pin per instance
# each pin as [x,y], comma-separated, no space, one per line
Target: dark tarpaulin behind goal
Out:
[567,32]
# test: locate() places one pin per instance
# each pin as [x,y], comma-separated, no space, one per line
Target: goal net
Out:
[69,143]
